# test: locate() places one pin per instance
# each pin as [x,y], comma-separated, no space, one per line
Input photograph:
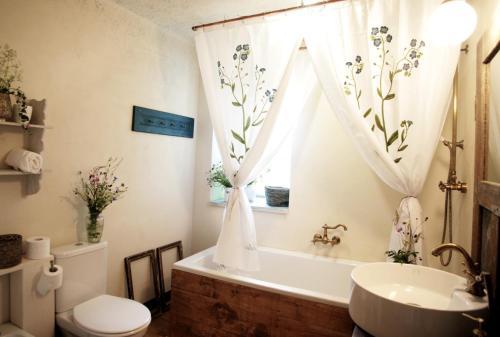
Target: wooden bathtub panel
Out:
[206,307]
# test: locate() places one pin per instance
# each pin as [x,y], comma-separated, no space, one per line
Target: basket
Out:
[277,196]
[11,250]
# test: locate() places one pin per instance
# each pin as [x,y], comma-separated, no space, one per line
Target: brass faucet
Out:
[475,279]
[335,240]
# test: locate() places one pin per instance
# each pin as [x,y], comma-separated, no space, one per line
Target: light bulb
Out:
[452,23]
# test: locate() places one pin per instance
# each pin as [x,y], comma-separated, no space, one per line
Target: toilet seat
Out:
[107,315]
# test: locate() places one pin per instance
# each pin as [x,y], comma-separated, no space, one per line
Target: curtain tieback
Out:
[232,200]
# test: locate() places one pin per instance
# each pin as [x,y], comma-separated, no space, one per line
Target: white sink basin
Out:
[395,300]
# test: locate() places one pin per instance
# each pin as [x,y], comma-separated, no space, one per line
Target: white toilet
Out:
[82,307]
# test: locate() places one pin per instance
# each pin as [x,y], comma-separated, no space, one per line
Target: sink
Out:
[10,330]
[394,300]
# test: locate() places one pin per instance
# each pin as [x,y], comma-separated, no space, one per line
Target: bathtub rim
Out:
[190,265]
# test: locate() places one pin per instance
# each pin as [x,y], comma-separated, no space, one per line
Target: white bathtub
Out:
[306,276]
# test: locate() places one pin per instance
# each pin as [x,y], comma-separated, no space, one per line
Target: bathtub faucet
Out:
[335,240]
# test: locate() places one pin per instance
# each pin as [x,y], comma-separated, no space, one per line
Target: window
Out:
[277,174]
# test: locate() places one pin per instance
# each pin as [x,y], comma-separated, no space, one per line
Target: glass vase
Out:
[95,227]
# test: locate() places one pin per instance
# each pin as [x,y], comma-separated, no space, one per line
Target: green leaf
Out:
[367,113]
[258,122]
[247,123]
[390,96]
[359,94]
[244,98]
[238,137]
[391,76]
[379,123]
[402,148]
[236,103]
[254,108]
[393,138]
[397,160]
[379,93]
[373,128]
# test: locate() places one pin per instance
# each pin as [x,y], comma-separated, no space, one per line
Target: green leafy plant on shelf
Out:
[216,177]
[10,74]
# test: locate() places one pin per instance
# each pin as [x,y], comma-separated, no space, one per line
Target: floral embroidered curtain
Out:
[253,104]
[390,88]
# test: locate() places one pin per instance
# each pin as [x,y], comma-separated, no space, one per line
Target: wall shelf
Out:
[24,263]
[11,172]
[30,126]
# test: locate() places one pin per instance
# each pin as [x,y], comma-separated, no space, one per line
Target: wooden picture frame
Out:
[154,269]
[164,296]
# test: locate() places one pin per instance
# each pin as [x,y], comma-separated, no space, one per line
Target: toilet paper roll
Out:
[49,280]
[37,247]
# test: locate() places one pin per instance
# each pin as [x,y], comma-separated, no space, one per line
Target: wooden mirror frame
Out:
[486,211]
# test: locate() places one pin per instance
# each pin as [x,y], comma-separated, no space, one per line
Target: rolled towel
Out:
[26,161]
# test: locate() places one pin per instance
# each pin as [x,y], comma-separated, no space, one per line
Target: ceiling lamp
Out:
[452,22]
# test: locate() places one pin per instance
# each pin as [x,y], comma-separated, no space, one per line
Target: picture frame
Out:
[164,295]
[154,303]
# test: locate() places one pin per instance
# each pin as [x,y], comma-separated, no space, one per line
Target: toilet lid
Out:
[111,315]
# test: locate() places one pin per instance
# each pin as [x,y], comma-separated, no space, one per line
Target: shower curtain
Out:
[390,88]
[255,87]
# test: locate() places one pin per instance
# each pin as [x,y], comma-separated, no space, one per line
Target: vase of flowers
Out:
[217,178]
[10,74]
[98,189]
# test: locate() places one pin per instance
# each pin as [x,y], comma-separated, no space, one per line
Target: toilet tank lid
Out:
[77,248]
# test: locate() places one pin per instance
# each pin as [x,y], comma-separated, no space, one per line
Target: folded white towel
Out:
[26,161]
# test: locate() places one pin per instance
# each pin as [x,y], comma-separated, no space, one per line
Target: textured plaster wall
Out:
[92,61]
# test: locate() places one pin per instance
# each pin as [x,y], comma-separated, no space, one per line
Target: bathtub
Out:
[291,291]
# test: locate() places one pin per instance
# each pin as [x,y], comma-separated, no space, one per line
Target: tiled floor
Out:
[159,326]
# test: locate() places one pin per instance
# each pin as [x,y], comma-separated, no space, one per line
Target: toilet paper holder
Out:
[51,278]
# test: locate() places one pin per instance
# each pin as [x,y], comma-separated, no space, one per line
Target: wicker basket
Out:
[277,196]
[11,250]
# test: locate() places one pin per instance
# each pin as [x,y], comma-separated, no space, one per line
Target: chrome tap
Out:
[475,278]
[335,240]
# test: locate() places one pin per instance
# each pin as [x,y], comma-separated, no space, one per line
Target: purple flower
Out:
[389,38]
[238,48]
[358,58]
[377,42]
[235,56]
[406,66]
[348,64]
[413,43]
[374,31]
[384,29]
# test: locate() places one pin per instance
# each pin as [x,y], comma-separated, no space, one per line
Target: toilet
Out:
[83,309]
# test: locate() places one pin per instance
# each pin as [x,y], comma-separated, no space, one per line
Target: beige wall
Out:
[93,60]
[332,184]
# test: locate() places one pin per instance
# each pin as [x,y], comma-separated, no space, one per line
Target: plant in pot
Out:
[10,74]
[98,189]
[217,178]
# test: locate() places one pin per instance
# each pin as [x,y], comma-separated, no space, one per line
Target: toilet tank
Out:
[84,273]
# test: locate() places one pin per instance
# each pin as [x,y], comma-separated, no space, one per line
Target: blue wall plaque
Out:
[162,123]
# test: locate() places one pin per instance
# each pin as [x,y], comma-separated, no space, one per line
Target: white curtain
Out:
[390,88]
[253,103]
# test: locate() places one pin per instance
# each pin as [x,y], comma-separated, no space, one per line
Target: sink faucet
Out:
[475,279]
[335,240]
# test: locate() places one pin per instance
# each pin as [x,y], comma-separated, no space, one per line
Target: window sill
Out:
[259,205]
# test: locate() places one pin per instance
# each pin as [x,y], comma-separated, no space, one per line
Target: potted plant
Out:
[217,178]
[98,190]
[10,74]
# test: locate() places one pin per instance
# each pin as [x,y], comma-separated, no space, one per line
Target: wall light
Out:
[452,22]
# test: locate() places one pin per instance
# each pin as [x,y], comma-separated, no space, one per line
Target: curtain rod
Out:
[241,18]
